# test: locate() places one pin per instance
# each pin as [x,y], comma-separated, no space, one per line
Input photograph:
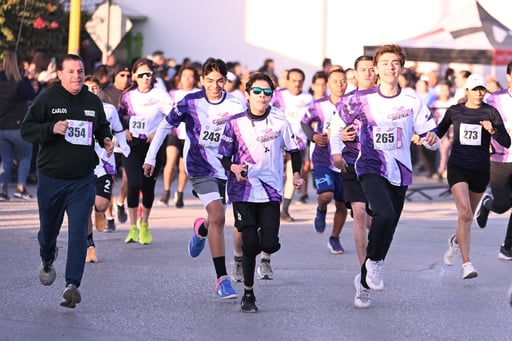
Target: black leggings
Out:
[386,202]
[137,182]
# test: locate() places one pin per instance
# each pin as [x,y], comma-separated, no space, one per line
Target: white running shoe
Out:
[468,271]
[362,298]
[375,274]
[451,253]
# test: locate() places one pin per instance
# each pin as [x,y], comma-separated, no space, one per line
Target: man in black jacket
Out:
[64,120]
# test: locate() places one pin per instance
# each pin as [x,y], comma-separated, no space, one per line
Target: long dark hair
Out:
[11,67]
[137,64]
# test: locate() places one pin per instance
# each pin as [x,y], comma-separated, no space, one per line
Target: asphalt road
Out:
[158,292]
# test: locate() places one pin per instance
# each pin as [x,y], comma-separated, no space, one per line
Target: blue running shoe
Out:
[335,246]
[196,244]
[224,289]
[320,220]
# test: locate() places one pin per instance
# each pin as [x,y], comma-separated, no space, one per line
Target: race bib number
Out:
[210,138]
[470,134]
[79,132]
[138,125]
[387,138]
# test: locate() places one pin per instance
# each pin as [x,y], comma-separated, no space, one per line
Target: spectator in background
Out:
[294,103]
[318,85]
[15,92]
[438,108]
[326,66]
[121,79]
[233,85]
[351,79]
[492,84]
[101,73]
[460,79]
[269,68]
[187,80]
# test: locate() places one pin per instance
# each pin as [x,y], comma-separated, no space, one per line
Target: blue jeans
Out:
[76,198]
[13,146]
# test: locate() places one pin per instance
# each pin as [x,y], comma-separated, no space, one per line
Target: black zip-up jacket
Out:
[58,158]
[13,101]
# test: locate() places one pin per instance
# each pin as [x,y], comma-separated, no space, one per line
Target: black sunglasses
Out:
[257,90]
[146,74]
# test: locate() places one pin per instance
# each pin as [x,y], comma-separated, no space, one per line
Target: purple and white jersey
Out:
[204,124]
[145,110]
[107,164]
[387,127]
[176,96]
[294,108]
[346,108]
[320,115]
[258,143]
[502,100]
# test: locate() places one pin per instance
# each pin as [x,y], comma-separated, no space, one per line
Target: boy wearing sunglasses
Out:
[251,149]
[205,114]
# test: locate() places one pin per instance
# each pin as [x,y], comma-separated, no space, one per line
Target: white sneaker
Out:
[265,270]
[451,253]
[468,271]
[375,274]
[238,274]
[362,298]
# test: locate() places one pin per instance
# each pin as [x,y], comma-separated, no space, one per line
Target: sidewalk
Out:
[158,292]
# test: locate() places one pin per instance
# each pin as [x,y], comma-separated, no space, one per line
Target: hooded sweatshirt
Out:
[57,157]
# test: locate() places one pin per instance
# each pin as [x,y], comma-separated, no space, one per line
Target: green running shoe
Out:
[144,236]
[133,235]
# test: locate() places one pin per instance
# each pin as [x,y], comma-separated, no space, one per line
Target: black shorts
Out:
[104,186]
[477,179]
[352,186]
[173,140]
[259,214]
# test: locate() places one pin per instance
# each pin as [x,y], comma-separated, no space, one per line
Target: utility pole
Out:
[74,27]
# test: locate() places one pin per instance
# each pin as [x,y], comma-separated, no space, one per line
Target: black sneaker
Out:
[179,200]
[505,253]
[121,214]
[111,225]
[248,304]
[482,213]
[24,195]
[285,216]
[164,199]
[4,196]
[47,272]
[304,199]
[71,296]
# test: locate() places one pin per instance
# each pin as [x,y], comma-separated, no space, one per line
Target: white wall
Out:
[295,33]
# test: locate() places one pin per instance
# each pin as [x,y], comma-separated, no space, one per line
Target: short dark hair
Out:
[92,78]
[214,64]
[509,67]
[256,76]
[297,70]
[319,74]
[68,56]
[362,59]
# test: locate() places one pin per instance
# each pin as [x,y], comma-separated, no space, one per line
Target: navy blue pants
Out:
[75,198]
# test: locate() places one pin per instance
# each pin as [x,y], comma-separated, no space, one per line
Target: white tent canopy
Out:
[471,36]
